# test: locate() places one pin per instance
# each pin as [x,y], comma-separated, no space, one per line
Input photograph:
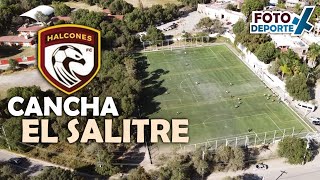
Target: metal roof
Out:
[46,10]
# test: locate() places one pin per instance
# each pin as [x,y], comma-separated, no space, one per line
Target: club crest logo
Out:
[69,56]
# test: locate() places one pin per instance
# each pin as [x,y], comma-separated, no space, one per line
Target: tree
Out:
[266,52]
[252,5]
[7,171]
[13,64]
[290,63]
[41,17]
[194,3]
[238,27]
[138,174]
[200,159]
[120,7]
[104,165]
[274,68]
[205,23]
[251,41]
[231,7]
[297,8]
[298,88]
[230,158]
[87,18]
[295,150]
[54,173]
[154,34]
[313,54]
[13,130]
[61,9]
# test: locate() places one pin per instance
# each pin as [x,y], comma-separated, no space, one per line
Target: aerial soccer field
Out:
[219,95]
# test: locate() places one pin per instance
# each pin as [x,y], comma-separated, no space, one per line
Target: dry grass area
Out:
[81,5]
[149,3]
[22,78]
[25,51]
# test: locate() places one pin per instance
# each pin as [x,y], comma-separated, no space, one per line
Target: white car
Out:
[315,120]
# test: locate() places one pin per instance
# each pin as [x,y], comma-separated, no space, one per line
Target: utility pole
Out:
[282,172]
[203,153]
[149,152]
[4,133]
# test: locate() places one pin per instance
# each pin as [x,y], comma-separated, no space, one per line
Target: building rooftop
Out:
[288,40]
[15,39]
[310,38]
[222,6]
[63,18]
[46,10]
[107,11]
[33,28]
[120,17]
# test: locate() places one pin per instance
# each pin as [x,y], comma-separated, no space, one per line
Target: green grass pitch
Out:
[192,83]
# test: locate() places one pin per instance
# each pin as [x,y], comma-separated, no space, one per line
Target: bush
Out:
[294,149]
[60,9]
[13,64]
[297,87]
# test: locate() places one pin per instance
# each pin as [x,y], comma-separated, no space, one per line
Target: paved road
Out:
[35,166]
[309,171]
[32,168]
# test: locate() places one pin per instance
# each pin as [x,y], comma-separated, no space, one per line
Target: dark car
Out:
[15,160]
[316,122]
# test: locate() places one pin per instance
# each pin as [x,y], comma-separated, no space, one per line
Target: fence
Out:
[19,60]
[250,139]
[181,43]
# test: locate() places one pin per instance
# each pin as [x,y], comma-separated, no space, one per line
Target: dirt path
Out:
[23,78]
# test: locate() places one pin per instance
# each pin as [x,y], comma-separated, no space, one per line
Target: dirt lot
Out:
[149,3]
[23,78]
[80,5]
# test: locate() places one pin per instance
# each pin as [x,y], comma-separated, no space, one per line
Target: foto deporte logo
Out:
[69,56]
[264,22]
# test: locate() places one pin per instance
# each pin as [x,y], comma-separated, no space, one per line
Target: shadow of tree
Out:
[151,86]
[6,51]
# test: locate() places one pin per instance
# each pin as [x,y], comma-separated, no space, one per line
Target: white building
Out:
[310,38]
[316,29]
[286,41]
[46,10]
[273,2]
[293,3]
[217,11]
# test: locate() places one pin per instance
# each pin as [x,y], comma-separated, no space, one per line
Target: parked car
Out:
[262,166]
[314,119]
[316,122]
[16,161]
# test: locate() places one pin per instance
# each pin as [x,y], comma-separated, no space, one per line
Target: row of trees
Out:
[120,33]
[210,26]
[202,162]
[194,3]
[140,19]
[194,165]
